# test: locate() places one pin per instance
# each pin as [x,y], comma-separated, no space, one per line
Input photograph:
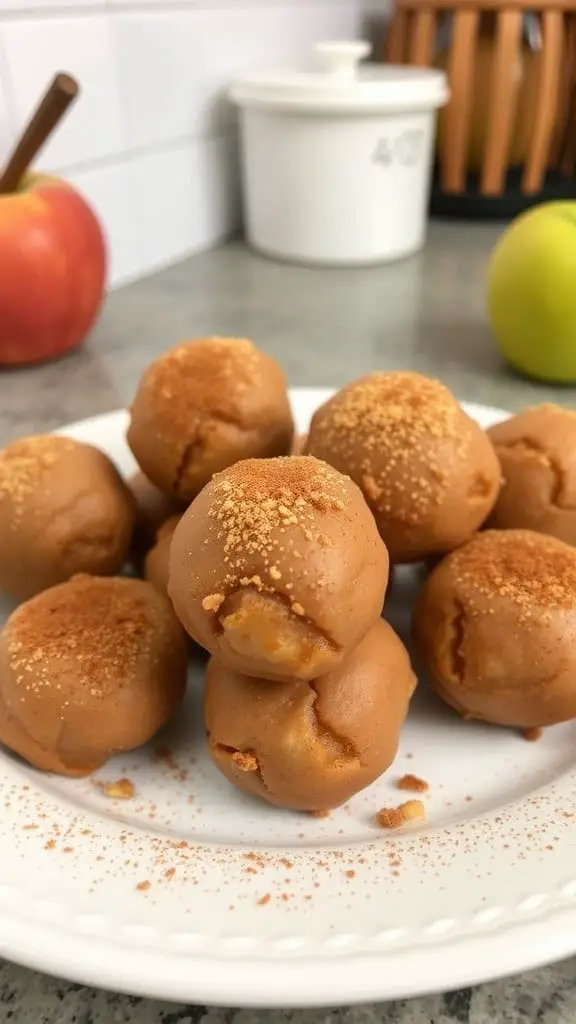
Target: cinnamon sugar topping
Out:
[24,462]
[78,621]
[399,419]
[257,500]
[533,571]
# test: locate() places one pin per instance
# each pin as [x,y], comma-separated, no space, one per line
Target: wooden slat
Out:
[396,38]
[564,91]
[489,5]
[502,106]
[421,47]
[567,156]
[546,103]
[459,109]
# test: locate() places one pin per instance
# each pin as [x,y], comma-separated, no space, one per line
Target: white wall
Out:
[150,142]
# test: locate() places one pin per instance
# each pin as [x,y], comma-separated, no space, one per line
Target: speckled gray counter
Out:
[326,327]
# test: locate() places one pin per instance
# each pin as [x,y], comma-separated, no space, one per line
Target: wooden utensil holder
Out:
[499,186]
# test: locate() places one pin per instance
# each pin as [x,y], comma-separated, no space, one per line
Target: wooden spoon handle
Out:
[52,107]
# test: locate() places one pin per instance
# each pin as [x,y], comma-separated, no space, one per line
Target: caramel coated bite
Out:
[277,568]
[205,405]
[64,509]
[157,561]
[89,668]
[427,471]
[495,625]
[153,509]
[537,453]
[310,746]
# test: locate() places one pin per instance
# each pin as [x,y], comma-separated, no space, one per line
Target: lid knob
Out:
[342,58]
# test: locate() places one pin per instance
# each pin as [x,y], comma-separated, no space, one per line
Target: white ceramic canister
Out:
[337,163]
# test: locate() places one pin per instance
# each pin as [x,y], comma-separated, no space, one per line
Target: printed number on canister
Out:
[404,149]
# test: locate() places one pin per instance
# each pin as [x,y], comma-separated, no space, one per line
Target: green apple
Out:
[532,292]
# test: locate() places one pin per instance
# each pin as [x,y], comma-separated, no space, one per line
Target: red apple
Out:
[52,270]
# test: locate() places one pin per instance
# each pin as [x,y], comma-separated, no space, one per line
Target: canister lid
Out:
[341,84]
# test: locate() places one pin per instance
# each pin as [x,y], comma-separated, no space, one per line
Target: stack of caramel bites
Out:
[277,569]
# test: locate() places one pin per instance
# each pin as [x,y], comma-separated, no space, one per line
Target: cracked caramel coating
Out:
[537,453]
[495,626]
[427,471]
[205,405]
[157,561]
[310,746]
[64,509]
[277,568]
[88,669]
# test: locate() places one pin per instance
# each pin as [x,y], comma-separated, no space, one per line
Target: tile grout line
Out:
[180,142]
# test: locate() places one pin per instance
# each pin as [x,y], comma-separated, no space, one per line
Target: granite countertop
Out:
[325,327]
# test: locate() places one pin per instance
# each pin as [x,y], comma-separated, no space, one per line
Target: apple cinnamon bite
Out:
[277,568]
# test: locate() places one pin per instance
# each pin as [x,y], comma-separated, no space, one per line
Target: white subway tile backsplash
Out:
[158,56]
[184,199]
[6,131]
[152,141]
[110,190]
[35,48]
[192,56]
[236,41]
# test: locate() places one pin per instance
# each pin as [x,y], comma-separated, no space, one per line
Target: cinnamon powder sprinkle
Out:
[24,464]
[396,817]
[80,621]
[144,886]
[264,900]
[413,783]
[254,503]
[532,571]
[396,419]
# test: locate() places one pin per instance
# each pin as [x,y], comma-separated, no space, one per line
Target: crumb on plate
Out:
[121,789]
[413,783]
[395,817]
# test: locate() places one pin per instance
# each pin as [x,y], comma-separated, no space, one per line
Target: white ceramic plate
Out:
[191,891]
